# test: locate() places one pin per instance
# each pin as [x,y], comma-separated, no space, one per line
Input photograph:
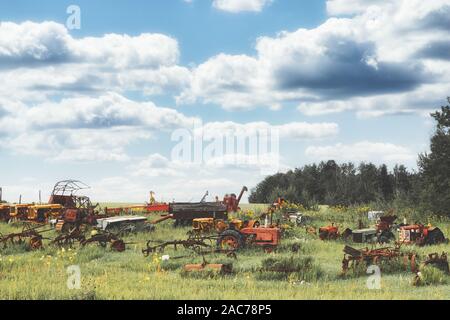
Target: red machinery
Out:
[76,209]
[185,212]
[150,207]
[329,232]
[268,238]
[232,202]
[421,235]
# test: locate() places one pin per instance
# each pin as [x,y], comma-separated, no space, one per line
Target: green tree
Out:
[434,167]
[386,184]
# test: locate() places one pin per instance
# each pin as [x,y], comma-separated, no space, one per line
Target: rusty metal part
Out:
[118,245]
[438,261]
[354,257]
[205,266]
[219,268]
[163,218]
[36,242]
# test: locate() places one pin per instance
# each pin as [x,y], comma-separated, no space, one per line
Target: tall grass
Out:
[106,274]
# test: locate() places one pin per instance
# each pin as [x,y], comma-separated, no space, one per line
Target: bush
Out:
[430,275]
[298,268]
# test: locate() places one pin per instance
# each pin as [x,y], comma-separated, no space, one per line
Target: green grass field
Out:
[129,275]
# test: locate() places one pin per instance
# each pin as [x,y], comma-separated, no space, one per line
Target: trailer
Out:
[184,213]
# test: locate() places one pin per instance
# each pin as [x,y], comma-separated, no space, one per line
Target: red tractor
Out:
[329,232]
[421,235]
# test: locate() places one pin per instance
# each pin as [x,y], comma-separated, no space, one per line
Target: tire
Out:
[230,239]
[323,235]
[435,236]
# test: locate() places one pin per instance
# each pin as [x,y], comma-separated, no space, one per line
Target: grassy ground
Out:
[130,275]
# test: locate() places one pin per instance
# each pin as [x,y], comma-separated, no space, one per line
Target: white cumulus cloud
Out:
[236,6]
[376,152]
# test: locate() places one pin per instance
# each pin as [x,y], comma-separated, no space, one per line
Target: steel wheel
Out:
[118,245]
[230,239]
[229,242]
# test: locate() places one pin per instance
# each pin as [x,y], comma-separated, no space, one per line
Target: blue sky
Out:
[351,80]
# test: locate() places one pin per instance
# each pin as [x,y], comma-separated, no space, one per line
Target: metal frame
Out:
[68,187]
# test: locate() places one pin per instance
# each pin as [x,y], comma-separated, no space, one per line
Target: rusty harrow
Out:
[354,257]
[201,245]
[193,244]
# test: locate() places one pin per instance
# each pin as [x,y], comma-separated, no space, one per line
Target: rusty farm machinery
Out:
[30,235]
[384,232]
[421,235]
[383,257]
[184,213]
[353,258]
[151,207]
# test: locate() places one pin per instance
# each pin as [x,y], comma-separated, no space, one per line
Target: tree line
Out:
[347,184]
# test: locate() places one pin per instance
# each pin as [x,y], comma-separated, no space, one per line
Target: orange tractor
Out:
[268,238]
[238,233]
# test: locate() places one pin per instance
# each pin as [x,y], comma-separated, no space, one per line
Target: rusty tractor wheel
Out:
[118,245]
[36,243]
[324,235]
[230,239]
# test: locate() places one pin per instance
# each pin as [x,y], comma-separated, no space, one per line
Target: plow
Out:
[103,238]
[69,239]
[355,257]
[29,233]
[192,243]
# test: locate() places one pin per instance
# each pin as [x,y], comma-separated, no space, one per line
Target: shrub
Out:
[300,268]
[430,275]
